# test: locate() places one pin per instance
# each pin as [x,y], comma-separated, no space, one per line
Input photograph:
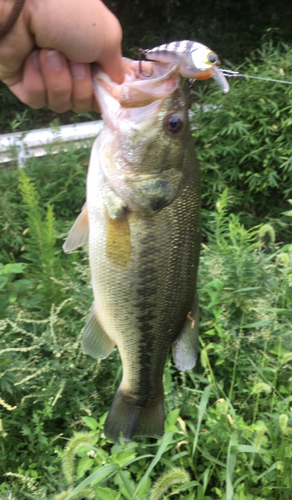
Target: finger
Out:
[14,49]
[57,78]
[87,33]
[31,89]
[82,91]
[113,66]
[110,58]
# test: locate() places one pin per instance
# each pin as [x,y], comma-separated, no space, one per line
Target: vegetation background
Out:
[229,421]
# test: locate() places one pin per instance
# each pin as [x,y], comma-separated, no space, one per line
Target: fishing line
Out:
[229,72]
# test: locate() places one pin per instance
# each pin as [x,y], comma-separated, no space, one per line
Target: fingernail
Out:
[78,70]
[35,60]
[54,60]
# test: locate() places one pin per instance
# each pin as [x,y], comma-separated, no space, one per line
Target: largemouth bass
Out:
[142,218]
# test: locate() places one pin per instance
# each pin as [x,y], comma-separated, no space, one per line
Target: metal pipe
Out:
[21,145]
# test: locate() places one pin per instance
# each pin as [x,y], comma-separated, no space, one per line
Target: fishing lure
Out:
[194,60]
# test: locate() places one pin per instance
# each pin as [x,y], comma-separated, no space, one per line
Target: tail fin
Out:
[124,418]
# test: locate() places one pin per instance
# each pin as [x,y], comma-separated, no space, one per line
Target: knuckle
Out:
[81,96]
[82,107]
[60,107]
[59,91]
[36,99]
[36,104]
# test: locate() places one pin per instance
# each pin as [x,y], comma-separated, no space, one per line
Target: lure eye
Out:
[212,57]
[173,124]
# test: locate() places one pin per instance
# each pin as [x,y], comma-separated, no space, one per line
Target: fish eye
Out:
[212,57]
[173,123]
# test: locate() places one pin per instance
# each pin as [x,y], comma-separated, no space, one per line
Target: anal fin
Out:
[95,341]
[185,349]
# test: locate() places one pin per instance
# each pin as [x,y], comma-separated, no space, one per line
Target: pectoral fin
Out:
[79,232]
[95,341]
[185,349]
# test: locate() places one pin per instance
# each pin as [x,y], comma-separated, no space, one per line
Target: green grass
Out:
[229,421]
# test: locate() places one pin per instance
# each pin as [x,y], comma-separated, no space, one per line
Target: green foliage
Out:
[10,289]
[243,139]
[229,421]
[61,180]
[40,334]
[11,218]
[81,440]
[40,248]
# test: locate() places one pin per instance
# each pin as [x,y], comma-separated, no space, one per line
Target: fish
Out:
[195,60]
[142,223]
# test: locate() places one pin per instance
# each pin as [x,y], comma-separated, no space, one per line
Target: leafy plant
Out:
[243,140]
[40,248]
[10,288]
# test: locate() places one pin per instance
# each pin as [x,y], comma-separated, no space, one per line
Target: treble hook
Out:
[140,73]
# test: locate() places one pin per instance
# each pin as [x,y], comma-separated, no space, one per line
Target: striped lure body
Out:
[195,60]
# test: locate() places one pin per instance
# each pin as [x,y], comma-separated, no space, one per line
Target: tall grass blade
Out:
[263,377]
[184,487]
[127,485]
[246,448]
[273,467]
[202,408]
[95,477]
[165,441]
[231,461]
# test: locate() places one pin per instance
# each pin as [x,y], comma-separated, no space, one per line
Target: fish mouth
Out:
[138,98]
[133,110]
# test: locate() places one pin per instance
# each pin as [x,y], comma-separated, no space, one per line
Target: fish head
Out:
[146,117]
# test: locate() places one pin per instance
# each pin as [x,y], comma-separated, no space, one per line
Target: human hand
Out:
[77,34]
